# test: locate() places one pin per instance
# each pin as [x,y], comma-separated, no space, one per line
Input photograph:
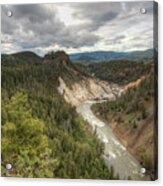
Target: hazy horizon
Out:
[75,52]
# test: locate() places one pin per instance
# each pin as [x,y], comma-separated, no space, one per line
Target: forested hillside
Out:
[118,71]
[132,119]
[42,135]
[21,57]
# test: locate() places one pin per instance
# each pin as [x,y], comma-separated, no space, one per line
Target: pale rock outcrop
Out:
[86,89]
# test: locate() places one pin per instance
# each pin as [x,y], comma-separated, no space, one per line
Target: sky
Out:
[77,27]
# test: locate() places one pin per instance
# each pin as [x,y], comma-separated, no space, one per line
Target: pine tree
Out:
[24,143]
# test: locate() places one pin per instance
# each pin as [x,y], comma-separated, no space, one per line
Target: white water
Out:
[115,154]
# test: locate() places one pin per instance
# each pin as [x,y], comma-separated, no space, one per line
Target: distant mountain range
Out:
[96,56]
[111,55]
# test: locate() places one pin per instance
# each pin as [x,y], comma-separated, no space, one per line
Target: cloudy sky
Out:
[77,27]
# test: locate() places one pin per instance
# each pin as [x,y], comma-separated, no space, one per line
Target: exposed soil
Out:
[134,83]
[138,141]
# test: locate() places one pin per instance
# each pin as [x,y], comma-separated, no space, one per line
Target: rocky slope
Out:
[88,89]
[76,87]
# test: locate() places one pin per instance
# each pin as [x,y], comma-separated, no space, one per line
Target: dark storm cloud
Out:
[35,13]
[114,24]
[37,25]
[8,26]
[100,14]
[97,22]
[97,13]
[29,14]
[34,19]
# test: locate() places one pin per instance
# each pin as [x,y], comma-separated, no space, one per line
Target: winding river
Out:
[115,154]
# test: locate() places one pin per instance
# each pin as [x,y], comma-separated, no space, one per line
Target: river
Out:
[115,154]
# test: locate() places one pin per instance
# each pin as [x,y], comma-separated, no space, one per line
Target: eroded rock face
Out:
[86,89]
[57,57]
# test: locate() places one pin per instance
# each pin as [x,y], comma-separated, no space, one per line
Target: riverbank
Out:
[131,118]
[115,154]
